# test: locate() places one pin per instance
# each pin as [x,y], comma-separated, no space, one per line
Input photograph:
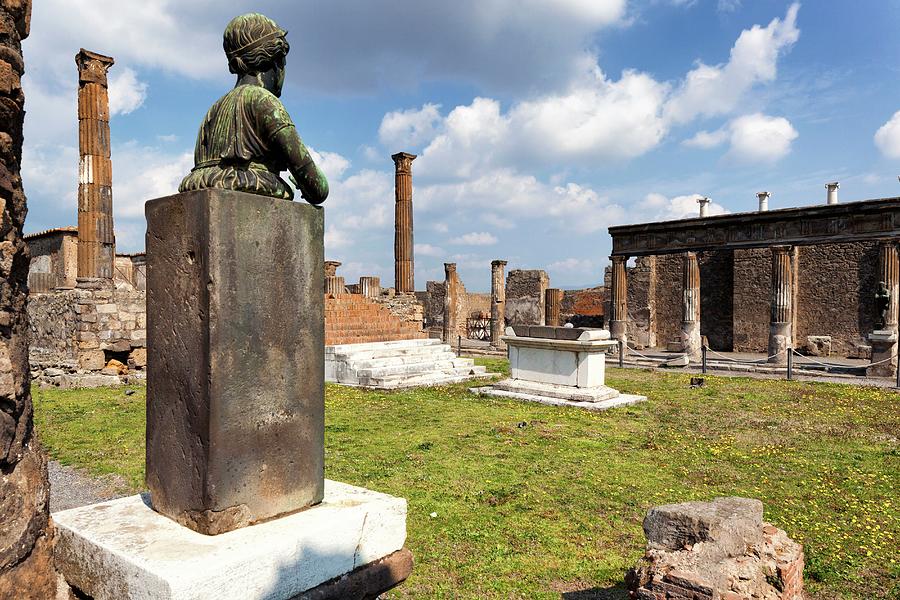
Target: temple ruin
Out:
[761,282]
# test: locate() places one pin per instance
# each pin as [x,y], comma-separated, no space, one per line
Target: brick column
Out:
[498,301]
[370,287]
[450,300]
[690,305]
[781,335]
[404,279]
[618,305]
[96,239]
[884,340]
[552,306]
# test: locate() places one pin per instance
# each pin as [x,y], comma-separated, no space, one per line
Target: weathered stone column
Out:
[884,339]
[404,278]
[450,301]
[331,267]
[370,287]
[335,286]
[96,238]
[618,304]
[498,300]
[26,543]
[781,336]
[690,306]
[552,306]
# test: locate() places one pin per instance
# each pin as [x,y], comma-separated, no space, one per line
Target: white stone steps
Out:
[397,345]
[399,381]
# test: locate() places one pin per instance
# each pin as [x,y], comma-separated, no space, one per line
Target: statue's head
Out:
[255,44]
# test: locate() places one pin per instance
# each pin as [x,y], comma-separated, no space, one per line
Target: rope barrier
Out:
[839,366]
[746,362]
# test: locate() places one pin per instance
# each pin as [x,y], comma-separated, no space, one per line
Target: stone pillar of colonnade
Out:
[690,308]
[884,338]
[781,334]
[618,305]
[404,279]
[450,300]
[498,302]
[552,306]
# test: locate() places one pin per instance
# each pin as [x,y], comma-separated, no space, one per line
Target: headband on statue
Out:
[257,43]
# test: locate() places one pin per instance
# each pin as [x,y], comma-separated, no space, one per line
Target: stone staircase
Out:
[398,364]
[354,319]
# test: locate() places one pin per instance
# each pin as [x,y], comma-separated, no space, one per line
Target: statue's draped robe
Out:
[235,148]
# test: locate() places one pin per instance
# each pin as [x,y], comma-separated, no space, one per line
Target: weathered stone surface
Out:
[138,358]
[720,550]
[818,345]
[732,523]
[133,552]
[235,396]
[365,582]
[525,291]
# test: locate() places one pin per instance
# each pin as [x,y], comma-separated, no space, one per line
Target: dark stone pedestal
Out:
[235,373]
[884,353]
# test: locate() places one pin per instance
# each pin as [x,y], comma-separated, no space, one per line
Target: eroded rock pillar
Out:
[552,306]
[404,280]
[884,338]
[690,306]
[781,337]
[96,239]
[618,305]
[450,302]
[26,563]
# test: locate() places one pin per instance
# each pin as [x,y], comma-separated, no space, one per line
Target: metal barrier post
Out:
[621,354]
[703,367]
[790,364]
[459,345]
[898,373]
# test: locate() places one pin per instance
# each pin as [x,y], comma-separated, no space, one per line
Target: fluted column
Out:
[404,279]
[884,338]
[781,335]
[335,286]
[552,306]
[450,291]
[618,305]
[888,273]
[498,302]
[96,239]
[690,305]
[370,287]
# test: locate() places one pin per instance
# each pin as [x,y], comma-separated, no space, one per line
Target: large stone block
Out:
[235,339]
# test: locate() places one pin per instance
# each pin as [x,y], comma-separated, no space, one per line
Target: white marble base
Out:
[558,395]
[123,550]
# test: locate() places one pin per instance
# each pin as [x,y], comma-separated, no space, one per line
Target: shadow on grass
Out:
[617,592]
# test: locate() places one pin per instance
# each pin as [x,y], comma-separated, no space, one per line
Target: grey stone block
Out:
[235,365]
[732,523]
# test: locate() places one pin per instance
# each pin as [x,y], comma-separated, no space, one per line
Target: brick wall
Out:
[669,298]
[752,299]
[584,308]
[716,299]
[641,297]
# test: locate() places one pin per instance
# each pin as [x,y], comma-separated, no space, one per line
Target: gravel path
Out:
[71,488]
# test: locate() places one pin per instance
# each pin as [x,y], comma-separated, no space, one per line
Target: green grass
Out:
[533,501]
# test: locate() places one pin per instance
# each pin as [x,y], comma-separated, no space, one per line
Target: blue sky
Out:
[538,123]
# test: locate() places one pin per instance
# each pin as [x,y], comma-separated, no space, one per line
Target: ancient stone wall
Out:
[584,308]
[466,303]
[669,298]
[26,542]
[525,297]
[641,302]
[716,299]
[82,330]
[405,306]
[54,260]
[752,299]
[835,295]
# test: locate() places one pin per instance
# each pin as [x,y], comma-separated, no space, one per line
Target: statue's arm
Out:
[309,178]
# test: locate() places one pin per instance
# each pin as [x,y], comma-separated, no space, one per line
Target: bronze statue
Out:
[882,304]
[247,138]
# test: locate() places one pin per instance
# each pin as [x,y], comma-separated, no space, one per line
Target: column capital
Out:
[782,249]
[499,263]
[618,258]
[449,267]
[403,161]
[92,67]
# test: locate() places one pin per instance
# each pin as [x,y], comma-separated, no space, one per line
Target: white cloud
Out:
[716,90]
[481,238]
[428,250]
[728,5]
[141,173]
[572,265]
[761,138]
[887,138]
[657,207]
[707,139]
[332,164]
[408,128]
[126,92]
